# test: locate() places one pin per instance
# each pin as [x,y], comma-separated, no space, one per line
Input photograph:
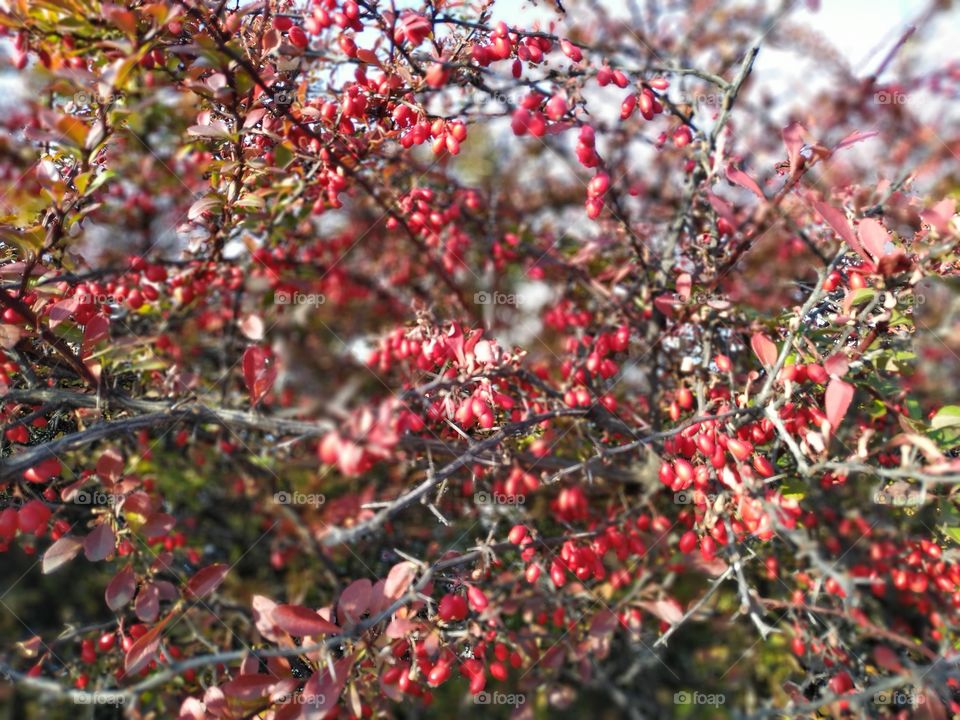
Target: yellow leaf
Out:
[73,130]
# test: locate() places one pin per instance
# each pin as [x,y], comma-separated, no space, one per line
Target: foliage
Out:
[364,360]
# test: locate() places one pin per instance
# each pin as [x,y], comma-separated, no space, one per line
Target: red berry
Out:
[106,641]
[43,471]
[439,674]
[298,38]
[452,608]
[478,601]
[740,449]
[33,517]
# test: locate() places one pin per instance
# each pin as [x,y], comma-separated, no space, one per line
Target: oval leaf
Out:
[322,691]
[354,600]
[100,544]
[874,237]
[147,606]
[143,650]
[263,608]
[207,579]
[300,621]
[838,221]
[62,551]
[836,364]
[739,177]
[837,401]
[399,579]
[946,416]
[765,349]
[249,687]
[110,466]
[121,589]
[259,372]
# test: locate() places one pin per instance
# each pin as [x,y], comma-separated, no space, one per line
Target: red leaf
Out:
[96,329]
[739,177]
[121,589]
[168,591]
[855,137]
[62,551]
[399,579]
[836,364]
[207,579]
[62,311]
[110,466]
[299,621]
[142,651]
[263,608]
[940,215]
[100,544]
[259,372]
[838,221]
[793,140]
[249,686]
[322,691]
[668,609]
[192,709]
[147,606]
[665,303]
[874,237]
[9,336]
[354,600]
[765,349]
[158,524]
[887,659]
[837,401]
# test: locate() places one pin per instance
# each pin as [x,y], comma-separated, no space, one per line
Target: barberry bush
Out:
[364,359]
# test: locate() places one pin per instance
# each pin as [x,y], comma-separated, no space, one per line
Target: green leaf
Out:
[793,489]
[208,203]
[101,179]
[862,296]
[282,155]
[946,416]
[250,200]
[953,533]
[81,181]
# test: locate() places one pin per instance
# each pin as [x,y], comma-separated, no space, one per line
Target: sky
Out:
[856,27]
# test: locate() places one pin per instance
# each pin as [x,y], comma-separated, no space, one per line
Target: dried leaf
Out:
[62,551]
